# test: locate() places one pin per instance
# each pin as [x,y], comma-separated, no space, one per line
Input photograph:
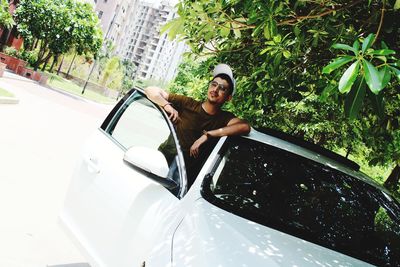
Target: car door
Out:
[114,209]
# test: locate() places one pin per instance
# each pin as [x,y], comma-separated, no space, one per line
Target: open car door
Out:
[126,186]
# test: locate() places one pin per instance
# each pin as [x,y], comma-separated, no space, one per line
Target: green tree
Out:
[112,71]
[279,49]
[6,20]
[59,25]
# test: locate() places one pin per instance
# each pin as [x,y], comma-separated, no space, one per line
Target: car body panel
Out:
[210,236]
[115,209]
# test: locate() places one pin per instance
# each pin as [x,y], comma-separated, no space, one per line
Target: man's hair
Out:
[228,79]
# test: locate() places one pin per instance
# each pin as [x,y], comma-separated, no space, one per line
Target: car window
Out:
[295,195]
[138,122]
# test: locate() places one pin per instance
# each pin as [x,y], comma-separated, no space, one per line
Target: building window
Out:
[100,14]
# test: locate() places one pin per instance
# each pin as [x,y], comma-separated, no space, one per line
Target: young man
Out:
[199,123]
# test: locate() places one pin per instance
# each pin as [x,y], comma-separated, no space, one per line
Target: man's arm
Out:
[160,97]
[235,126]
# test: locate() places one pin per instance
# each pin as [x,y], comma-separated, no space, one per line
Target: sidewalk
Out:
[5,99]
[12,77]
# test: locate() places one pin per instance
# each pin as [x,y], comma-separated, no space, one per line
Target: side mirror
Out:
[151,163]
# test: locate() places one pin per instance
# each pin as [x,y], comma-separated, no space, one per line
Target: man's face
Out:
[218,91]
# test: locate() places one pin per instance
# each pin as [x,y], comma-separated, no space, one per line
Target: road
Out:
[40,139]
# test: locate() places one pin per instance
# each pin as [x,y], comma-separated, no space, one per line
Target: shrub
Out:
[29,56]
[11,51]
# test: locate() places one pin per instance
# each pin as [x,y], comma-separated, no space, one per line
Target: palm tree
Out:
[113,65]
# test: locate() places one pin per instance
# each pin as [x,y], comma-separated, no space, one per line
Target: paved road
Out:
[40,139]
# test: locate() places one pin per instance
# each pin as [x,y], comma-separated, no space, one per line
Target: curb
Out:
[8,100]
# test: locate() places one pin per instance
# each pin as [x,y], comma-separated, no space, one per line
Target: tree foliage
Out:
[6,20]
[296,70]
[59,25]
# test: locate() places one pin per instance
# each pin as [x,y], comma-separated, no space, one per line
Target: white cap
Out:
[225,69]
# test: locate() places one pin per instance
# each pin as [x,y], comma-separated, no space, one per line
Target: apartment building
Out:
[134,27]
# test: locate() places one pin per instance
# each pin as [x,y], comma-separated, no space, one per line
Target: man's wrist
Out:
[166,104]
[207,134]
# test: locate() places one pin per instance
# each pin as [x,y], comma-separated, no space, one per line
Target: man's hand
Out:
[173,114]
[194,149]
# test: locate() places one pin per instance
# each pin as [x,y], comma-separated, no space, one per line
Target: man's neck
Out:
[211,108]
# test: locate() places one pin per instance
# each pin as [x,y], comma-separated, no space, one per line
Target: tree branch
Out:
[381,21]
[325,13]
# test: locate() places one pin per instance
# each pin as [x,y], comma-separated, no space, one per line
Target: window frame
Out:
[116,114]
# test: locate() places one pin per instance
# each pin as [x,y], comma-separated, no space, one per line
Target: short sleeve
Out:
[226,117]
[180,101]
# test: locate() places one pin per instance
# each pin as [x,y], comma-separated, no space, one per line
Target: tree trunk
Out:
[348,152]
[45,64]
[59,67]
[70,66]
[35,44]
[392,182]
[41,53]
[55,59]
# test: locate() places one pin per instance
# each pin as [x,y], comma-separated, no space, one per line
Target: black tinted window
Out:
[306,199]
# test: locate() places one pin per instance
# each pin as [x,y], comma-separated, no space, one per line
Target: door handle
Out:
[92,164]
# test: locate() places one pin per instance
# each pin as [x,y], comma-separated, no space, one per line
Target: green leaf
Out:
[173,27]
[372,77]
[384,75]
[383,52]
[266,50]
[237,33]
[377,104]
[296,30]
[257,30]
[327,91]
[336,63]
[242,20]
[354,99]
[396,72]
[273,27]
[267,33]
[396,5]
[367,42]
[286,53]
[348,78]
[225,30]
[356,45]
[277,38]
[277,60]
[344,47]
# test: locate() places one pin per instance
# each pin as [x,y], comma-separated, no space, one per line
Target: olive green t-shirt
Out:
[194,120]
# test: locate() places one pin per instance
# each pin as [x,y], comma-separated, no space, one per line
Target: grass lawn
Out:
[68,86]
[5,93]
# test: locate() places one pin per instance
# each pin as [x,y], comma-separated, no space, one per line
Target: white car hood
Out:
[209,236]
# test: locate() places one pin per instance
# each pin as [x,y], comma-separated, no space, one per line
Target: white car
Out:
[265,199]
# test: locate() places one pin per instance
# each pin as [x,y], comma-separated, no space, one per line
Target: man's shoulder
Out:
[182,100]
[227,114]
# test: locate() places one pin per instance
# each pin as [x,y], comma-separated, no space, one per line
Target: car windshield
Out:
[304,198]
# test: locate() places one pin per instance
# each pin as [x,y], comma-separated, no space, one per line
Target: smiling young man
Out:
[198,124]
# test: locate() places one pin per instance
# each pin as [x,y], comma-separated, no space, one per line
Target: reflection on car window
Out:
[306,199]
[140,123]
